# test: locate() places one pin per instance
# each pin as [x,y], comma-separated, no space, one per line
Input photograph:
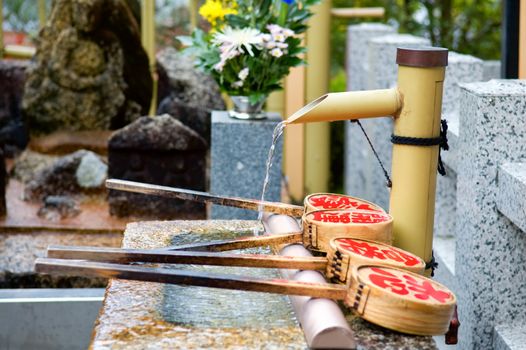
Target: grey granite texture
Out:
[446,204]
[460,69]
[18,251]
[364,177]
[511,194]
[357,62]
[144,315]
[510,337]
[239,151]
[446,192]
[491,70]
[490,248]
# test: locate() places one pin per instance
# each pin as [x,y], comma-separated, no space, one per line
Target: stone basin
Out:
[145,315]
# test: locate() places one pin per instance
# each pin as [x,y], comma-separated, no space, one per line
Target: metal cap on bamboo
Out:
[424,57]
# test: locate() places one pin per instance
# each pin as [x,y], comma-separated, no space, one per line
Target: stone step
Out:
[511,194]
[510,337]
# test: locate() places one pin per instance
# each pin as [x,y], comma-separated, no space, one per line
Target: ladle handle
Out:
[119,255]
[196,196]
[240,243]
[189,278]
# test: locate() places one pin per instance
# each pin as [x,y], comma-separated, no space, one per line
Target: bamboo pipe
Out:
[349,105]
[42,13]
[358,12]
[414,169]
[1,28]
[148,41]
[19,51]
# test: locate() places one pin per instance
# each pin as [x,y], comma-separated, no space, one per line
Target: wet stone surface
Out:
[141,315]
[144,315]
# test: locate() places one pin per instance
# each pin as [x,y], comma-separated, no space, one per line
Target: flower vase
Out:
[243,109]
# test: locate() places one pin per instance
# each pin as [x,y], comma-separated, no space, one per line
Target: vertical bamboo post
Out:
[148,42]
[42,13]
[1,29]
[194,13]
[317,136]
[294,139]
[414,168]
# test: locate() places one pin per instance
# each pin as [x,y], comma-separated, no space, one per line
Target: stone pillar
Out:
[357,62]
[364,177]
[490,258]
[460,69]
[158,150]
[238,161]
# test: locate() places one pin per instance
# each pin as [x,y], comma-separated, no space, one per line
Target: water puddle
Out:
[207,307]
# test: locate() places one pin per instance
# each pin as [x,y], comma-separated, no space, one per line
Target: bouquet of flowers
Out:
[251,44]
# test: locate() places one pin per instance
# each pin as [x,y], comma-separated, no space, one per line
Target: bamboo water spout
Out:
[416,105]
[349,105]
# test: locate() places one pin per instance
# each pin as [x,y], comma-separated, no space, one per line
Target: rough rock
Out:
[30,163]
[56,208]
[13,131]
[194,94]
[161,133]
[60,178]
[90,70]
[91,172]
[159,150]
[197,118]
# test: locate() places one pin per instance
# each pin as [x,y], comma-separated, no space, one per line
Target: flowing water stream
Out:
[278,131]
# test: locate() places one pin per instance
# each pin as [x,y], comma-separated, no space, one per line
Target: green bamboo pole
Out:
[1,28]
[42,13]
[317,136]
[148,42]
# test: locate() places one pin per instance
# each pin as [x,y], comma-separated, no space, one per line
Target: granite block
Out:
[238,161]
[510,337]
[491,70]
[489,248]
[446,204]
[364,177]
[357,62]
[511,194]
[460,69]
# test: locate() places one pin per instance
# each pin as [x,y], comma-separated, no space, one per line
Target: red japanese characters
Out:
[320,201]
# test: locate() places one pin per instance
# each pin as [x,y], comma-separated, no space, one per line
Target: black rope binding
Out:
[423,141]
[433,265]
[386,174]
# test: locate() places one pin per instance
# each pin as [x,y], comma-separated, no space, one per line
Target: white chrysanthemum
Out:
[231,39]
[276,52]
[243,74]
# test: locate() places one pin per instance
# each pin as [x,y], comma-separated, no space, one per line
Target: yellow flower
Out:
[216,10]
